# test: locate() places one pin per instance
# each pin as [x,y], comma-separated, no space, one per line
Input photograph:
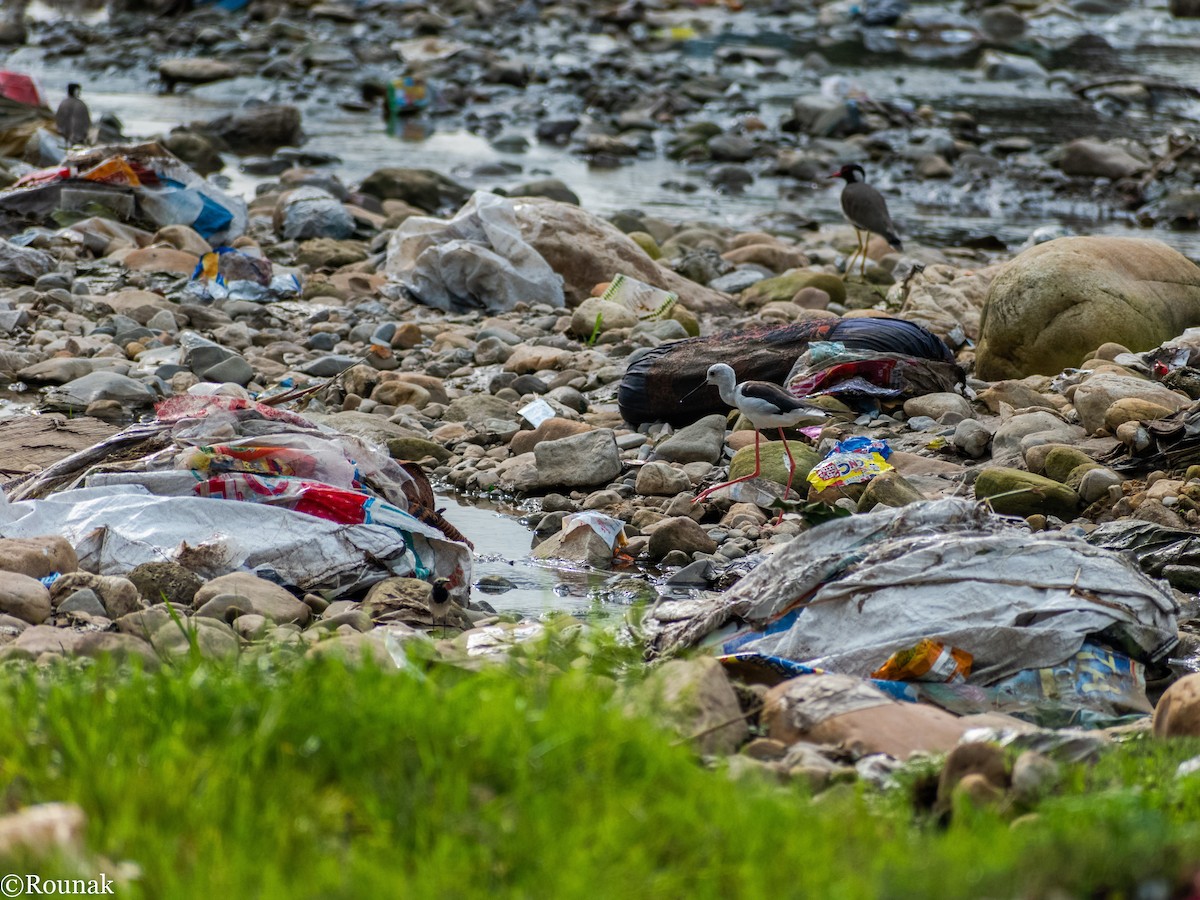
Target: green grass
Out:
[294,779]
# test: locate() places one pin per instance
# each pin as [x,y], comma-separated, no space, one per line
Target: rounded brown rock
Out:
[1178,711]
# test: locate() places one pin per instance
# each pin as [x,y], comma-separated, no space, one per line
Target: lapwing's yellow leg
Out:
[854,255]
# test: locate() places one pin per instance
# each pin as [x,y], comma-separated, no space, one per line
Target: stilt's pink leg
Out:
[725,484]
[791,471]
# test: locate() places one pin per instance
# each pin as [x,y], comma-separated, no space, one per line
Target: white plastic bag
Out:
[476,260]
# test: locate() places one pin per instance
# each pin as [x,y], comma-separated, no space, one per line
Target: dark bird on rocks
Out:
[865,209]
[73,119]
[440,603]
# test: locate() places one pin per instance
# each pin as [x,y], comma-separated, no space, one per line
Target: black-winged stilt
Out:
[766,405]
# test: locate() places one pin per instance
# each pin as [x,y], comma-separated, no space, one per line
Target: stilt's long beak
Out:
[693,390]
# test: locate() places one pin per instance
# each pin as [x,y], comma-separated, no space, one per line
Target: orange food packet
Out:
[927,660]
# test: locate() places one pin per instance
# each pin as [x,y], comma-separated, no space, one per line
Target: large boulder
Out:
[425,189]
[240,593]
[701,441]
[24,598]
[856,716]
[1178,712]
[1095,396]
[1018,433]
[256,129]
[195,149]
[13,32]
[1013,492]
[1050,307]
[195,70]
[784,287]
[586,250]
[37,557]
[581,460]
[1096,159]
[694,697]
[774,462]
[822,116]
[80,393]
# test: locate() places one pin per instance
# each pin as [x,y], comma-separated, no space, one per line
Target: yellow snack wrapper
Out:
[838,469]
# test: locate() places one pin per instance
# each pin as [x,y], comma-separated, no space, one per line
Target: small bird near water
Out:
[766,405]
[440,603]
[72,118]
[865,209]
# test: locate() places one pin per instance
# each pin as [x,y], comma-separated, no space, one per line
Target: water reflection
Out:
[512,582]
[410,129]
[83,11]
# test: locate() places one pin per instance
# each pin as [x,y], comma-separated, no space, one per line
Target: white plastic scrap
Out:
[476,260]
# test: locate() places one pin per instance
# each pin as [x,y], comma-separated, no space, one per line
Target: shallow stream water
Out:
[1144,40]
[508,579]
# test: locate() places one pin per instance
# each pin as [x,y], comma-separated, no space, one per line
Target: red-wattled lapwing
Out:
[72,118]
[766,405]
[865,209]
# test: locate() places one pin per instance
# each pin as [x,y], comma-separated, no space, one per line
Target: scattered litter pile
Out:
[865,359]
[962,604]
[220,484]
[228,274]
[144,185]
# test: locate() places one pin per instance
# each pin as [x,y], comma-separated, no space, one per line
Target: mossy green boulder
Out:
[413,449]
[647,243]
[686,318]
[1062,461]
[774,462]
[888,489]
[787,285]
[1013,492]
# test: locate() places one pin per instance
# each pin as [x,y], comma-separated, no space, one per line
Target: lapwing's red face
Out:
[851,172]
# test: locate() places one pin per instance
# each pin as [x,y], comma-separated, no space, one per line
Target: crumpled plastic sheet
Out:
[1154,546]
[477,260]
[847,594]
[120,512]
[866,374]
[1172,442]
[116,527]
